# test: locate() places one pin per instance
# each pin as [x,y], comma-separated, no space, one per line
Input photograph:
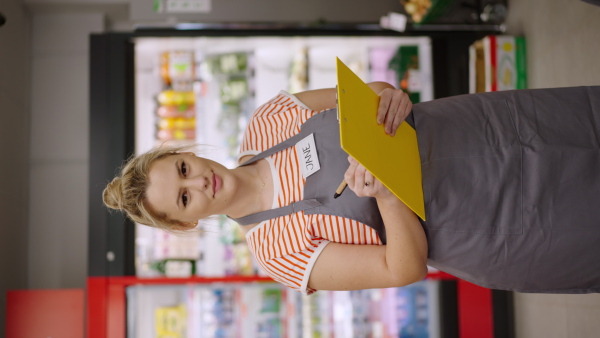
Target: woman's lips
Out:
[216,183]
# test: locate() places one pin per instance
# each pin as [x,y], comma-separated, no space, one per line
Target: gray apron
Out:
[511,183]
[512,188]
[320,186]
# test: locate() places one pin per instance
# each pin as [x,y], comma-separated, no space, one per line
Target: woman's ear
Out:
[187,153]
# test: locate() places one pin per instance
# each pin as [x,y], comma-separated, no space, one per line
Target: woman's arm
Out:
[402,261]
[394,104]
[321,99]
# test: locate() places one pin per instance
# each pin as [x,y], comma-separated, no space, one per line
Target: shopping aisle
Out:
[563,45]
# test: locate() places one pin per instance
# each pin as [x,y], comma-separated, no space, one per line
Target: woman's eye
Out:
[184,199]
[183,169]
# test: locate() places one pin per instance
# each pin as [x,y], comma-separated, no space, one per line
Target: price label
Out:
[182,6]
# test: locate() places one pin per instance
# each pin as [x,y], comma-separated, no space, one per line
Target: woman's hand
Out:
[402,261]
[363,183]
[394,106]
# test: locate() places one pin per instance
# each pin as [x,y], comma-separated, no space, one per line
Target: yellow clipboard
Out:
[393,160]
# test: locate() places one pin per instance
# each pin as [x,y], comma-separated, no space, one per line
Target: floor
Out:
[563,44]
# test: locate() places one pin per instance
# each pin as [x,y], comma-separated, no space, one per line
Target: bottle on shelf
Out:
[171,97]
[175,268]
[172,111]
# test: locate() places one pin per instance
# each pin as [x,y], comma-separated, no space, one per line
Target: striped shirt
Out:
[287,247]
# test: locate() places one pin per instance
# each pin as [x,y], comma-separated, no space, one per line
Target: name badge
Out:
[307,153]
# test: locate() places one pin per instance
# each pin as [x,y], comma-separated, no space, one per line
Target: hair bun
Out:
[113,194]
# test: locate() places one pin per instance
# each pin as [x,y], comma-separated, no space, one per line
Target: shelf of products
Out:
[270,310]
[212,310]
[497,63]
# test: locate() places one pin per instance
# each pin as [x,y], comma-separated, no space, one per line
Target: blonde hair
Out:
[127,191]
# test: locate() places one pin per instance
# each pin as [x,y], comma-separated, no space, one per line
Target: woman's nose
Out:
[199,182]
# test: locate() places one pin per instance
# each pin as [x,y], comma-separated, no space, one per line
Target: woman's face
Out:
[187,188]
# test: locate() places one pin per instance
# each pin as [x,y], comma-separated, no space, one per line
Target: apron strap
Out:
[288,209]
[281,146]
[273,213]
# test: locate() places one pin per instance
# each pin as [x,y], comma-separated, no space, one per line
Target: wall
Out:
[59,151]
[15,54]
[278,10]
[141,11]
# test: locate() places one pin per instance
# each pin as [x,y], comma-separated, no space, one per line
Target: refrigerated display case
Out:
[139,78]
[221,81]
[219,310]
[251,307]
[271,310]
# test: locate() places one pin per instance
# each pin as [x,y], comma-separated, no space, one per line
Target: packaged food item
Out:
[177,111]
[417,8]
[497,62]
[170,123]
[166,123]
[181,123]
[181,65]
[176,134]
[164,69]
[176,98]
[175,268]
[406,65]
[177,69]
[170,322]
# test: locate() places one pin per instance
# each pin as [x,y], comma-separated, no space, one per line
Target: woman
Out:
[510,186]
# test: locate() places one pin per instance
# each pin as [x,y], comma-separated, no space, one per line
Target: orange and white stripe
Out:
[287,247]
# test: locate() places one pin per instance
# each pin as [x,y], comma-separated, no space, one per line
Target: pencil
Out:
[340,189]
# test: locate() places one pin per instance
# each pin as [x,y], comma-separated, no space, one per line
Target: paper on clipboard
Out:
[393,160]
